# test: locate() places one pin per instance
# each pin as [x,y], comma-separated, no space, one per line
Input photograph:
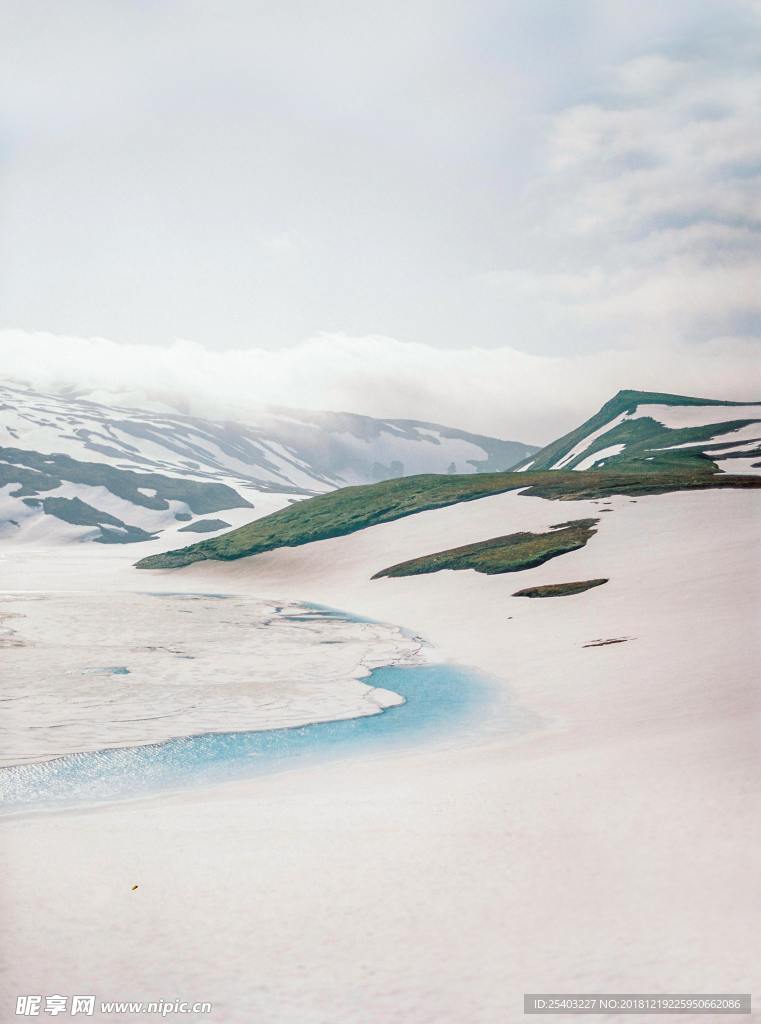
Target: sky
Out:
[493,215]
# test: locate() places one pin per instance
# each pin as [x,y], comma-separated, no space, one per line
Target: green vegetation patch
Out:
[79,513]
[204,526]
[511,553]
[355,508]
[559,589]
[572,485]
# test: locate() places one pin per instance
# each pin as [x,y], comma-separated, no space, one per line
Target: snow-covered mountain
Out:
[75,469]
[648,431]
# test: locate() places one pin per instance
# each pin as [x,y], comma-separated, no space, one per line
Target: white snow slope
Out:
[139,473]
[613,847]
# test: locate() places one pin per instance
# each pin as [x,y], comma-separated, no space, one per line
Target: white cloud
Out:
[647,222]
[497,391]
[259,178]
[259,174]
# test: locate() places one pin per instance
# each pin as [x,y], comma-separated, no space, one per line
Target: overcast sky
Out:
[488,213]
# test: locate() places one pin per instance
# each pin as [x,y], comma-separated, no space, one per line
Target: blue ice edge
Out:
[440,700]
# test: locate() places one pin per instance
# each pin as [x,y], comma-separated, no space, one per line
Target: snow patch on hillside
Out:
[678,417]
[581,446]
[598,458]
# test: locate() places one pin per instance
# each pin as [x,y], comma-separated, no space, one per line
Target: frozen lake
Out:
[437,699]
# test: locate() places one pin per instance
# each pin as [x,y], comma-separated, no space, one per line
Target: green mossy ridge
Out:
[605,483]
[511,553]
[559,589]
[355,508]
[648,445]
[643,436]
[340,512]
[204,526]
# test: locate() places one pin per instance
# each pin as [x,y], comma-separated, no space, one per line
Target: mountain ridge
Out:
[354,508]
[647,447]
[70,460]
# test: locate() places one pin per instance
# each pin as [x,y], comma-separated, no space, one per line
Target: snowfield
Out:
[611,847]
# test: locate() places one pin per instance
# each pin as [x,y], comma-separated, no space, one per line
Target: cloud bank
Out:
[645,225]
[547,202]
[555,177]
[499,391]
